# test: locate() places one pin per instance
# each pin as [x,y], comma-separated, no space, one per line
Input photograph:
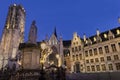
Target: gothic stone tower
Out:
[13,34]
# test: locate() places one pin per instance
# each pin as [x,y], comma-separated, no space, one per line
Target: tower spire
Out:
[33,33]
[55,33]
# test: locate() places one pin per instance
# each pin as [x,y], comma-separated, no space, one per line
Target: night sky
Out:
[69,16]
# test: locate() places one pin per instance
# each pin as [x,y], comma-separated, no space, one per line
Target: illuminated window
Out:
[106,49]
[100,50]
[110,66]
[113,47]
[118,31]
[105,35]
[94,39]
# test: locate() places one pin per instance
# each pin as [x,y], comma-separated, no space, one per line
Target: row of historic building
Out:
[98,53]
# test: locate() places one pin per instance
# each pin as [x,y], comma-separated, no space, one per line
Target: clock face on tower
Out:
[43,45]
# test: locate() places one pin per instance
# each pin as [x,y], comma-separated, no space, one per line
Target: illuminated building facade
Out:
[13,35]
[98,53]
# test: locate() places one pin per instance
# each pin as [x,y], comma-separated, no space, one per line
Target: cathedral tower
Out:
[13,34]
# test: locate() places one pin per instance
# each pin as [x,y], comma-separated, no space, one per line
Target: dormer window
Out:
[118,31]
[94,39]
[111,35]
[105,35]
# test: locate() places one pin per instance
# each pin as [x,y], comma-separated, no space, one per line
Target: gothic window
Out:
[88,68]
[117,66]
[116,57]
[96,60]
[103,67]
[90,52]
[100,50]
[95,51]
[110,66]
[93,68]
[98,67]
[86,53]
[113,47]
[102,59]
[106,49]
[108,58]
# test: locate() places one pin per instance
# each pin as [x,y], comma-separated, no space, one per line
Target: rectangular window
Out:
[110,66]
[100,50]
[90,52]
[95,51]
[108,58]
[116,57]
[103,67]
[88,68]
[76,49]
[79,48]
[106,49]
[87,61]
[76,57]
[73,57]
[72,49]
[98,67]
[96,60]
[113,47]
[92,60]
[117,66]
[102,59]
[119,45]
[80,56]
[93,68]
[86,53]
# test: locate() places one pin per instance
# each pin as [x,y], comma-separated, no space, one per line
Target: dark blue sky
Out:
[69,16]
